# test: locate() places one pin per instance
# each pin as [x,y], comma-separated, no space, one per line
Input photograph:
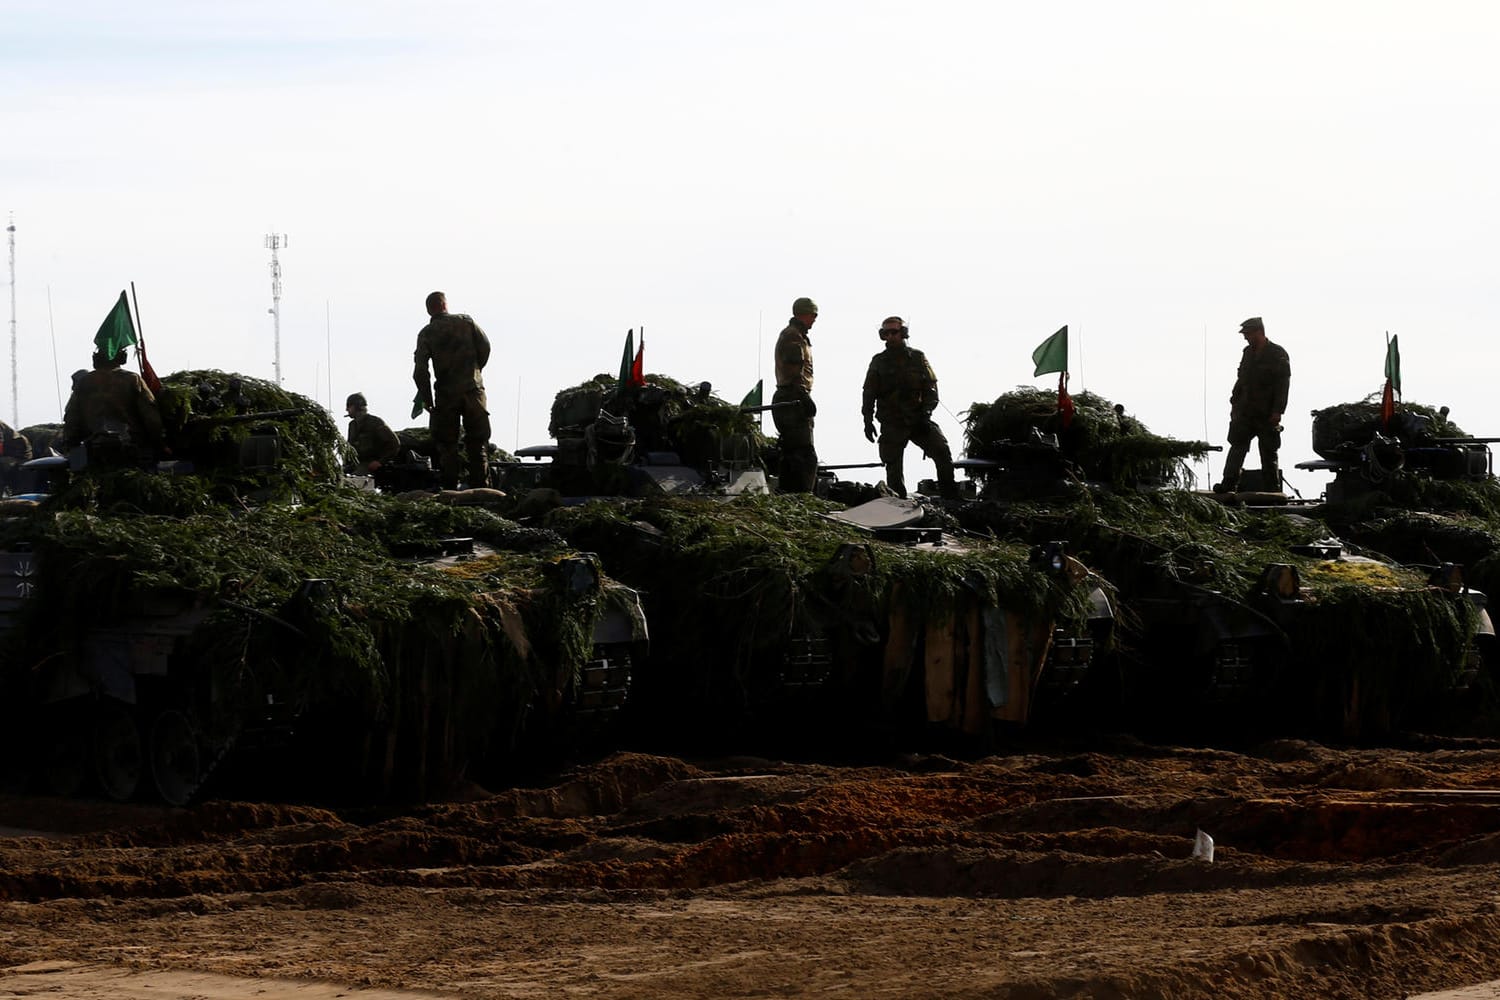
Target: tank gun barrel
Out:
[852,465]
[1466,440]
[247,418]
[783,405]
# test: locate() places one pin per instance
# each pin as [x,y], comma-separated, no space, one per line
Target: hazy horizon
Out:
[1149,174]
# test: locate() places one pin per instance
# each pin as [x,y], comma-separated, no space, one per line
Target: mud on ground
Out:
[1336,873]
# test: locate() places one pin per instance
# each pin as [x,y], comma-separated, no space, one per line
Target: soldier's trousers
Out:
[894,437]
[794,436]
[1268,435]
[470,411]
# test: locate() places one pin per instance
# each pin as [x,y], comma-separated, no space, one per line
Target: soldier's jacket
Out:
[1260,389]
[113,400]
[458,350]
[372,439]
[794,364]
[13,446]
[900,386]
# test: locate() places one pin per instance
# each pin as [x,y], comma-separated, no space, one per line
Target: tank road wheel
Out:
[176,763]
[118,758]
[64,752]
[65,760]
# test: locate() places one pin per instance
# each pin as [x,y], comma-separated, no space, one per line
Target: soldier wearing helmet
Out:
[794,382]
[901,390]
[373,441]
[1256,406]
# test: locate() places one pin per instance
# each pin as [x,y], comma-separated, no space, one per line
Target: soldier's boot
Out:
[798,472]
[449,466]
[947,488]
[1233,462]
[893,455]
[1271,478]
[478,475]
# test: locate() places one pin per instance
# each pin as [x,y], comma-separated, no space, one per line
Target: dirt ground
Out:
[1064,873]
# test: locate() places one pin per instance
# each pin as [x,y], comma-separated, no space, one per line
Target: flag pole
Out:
[56,373]
[760,378]
[328,346]
[1080,360]
[148,374]
[140,332]
[1208,463]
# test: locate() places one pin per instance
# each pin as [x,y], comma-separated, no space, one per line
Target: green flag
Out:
[1393,363]
[1052,354]
[628,358]
[418,404]
[118,332]
[754,396]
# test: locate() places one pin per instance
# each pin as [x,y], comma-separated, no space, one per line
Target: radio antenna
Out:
[15,406]
[274,242]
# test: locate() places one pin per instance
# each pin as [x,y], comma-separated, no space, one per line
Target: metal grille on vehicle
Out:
[808,663]
[604,682]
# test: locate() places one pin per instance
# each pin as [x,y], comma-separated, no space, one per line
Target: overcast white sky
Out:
[1150,173]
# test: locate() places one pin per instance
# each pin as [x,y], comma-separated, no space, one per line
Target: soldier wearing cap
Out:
[1256,406]
[112,401]
[901,390]
[373,441]
[794,382]
[458,351]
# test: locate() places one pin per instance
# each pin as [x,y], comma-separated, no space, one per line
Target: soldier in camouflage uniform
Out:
[373,441]
[458,351]
[901,389]
[794,381]
[111,400]
[14,449]
[1256,406]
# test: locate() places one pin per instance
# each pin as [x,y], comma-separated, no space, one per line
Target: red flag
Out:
[1064,401]
[148,374]
[638,366]
[1387,406]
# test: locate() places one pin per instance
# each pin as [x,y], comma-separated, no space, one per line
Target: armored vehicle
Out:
[767,609]
[1371,453]
[773,611]
[1412,486]
[654,439]
[237,599]
[1268,620]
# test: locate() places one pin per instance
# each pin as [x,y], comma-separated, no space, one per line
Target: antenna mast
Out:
[15,406]
[274,242]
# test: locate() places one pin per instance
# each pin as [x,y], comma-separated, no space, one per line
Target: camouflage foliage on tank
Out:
[1104,443]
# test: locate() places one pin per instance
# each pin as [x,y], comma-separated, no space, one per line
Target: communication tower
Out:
[274,242]
[15,406]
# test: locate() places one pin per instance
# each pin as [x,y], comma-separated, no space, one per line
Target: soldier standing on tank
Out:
[794,382]
[111,400]
[458,351]
[901,389]
[372,439]
[1256,406]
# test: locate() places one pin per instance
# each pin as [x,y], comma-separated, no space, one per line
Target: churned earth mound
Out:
[1042,874]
